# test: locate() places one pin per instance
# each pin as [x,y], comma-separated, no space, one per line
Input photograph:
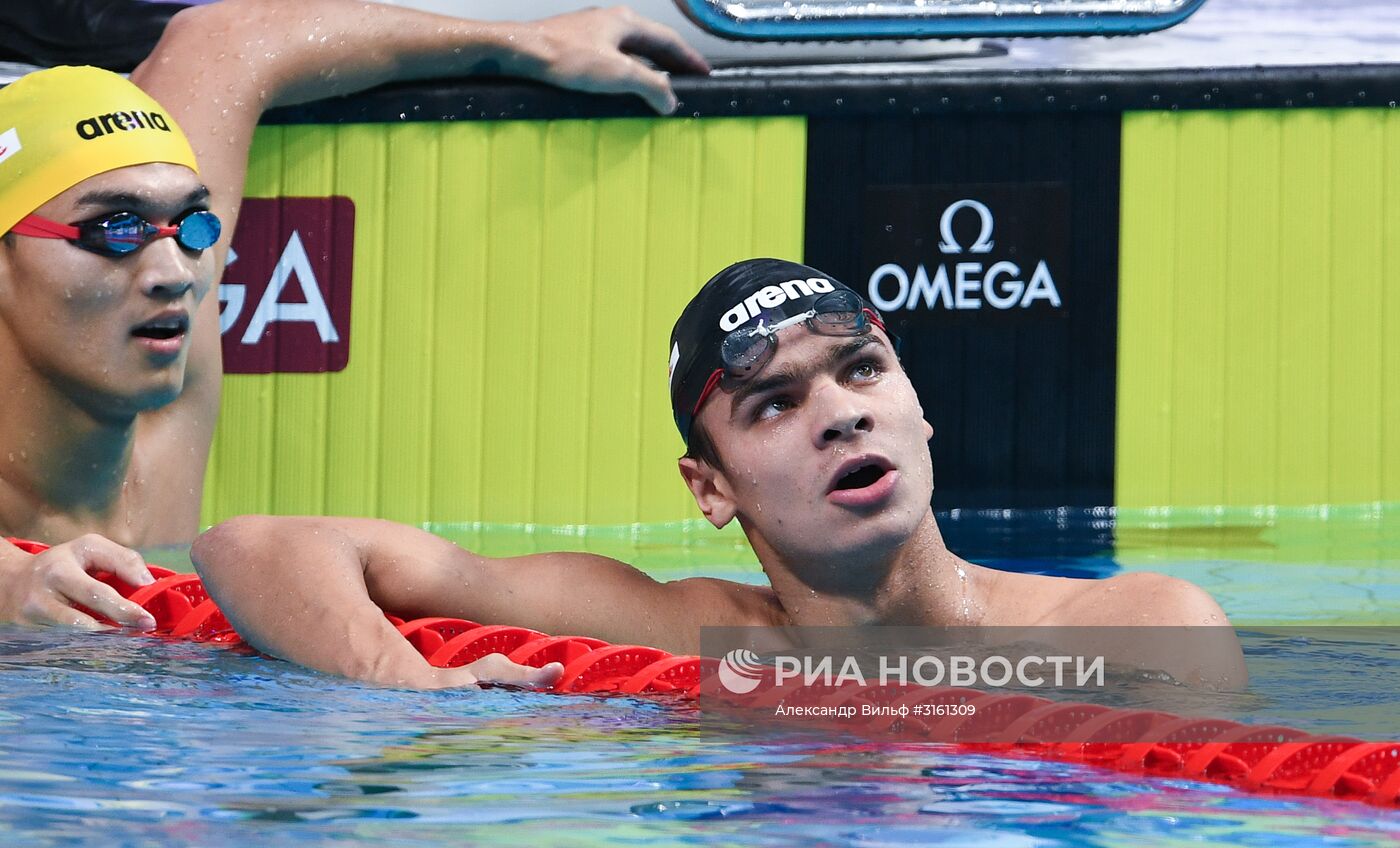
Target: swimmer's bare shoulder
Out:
[1157,622]
[1139,598]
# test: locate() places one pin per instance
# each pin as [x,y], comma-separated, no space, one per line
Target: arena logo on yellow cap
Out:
[76,123]
[100,125]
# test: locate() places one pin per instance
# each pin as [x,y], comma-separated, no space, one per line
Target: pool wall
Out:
[514,288]
[1224,289]
[1259,335]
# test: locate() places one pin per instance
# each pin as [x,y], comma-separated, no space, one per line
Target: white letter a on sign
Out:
[293,262]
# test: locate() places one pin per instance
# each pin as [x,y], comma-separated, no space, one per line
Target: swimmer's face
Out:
[111,333]
[825,450]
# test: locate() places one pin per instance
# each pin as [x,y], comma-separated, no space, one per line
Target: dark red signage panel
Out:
[284,303]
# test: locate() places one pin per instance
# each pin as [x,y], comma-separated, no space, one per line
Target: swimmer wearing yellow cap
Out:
[112,193]
[64,125]
[91,161]
[97,310]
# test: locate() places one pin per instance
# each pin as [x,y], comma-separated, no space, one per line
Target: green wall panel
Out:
[514,289]
[1259,308]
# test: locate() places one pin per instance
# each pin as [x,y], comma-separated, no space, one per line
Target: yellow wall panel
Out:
[1146,326]
[1251,310]
[1389,457]
[514,289]
[1257,361]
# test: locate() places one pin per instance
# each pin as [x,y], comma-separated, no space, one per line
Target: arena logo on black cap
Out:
[771,297]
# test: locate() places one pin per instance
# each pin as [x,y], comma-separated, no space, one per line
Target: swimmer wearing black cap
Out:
[113,239]
[800,423]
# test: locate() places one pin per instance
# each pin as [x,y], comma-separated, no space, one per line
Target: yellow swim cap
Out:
[62,125]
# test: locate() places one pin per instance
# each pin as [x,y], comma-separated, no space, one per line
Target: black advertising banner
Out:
[991,244]
[966,251]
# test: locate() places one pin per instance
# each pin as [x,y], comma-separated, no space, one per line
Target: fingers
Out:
[653,87]
[622,74]
[100,554]
[81,588]
[53,612]
[495,668]
[597,51]
[662,45]
[59,578]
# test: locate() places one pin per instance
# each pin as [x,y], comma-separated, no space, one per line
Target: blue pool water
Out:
[114,740]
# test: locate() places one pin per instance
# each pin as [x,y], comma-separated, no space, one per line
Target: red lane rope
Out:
[1249,757]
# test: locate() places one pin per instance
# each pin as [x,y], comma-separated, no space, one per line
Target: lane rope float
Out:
[1254,758]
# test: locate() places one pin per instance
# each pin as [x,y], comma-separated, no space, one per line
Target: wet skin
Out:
[825,464]
[107,431]
[825,407]
[71,316]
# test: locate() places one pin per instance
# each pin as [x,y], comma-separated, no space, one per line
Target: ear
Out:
[710,489]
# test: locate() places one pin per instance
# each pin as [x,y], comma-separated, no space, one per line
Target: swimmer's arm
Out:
[267,573]
[217,67]
[295,588]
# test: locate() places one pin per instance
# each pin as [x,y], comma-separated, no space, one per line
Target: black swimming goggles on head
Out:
[745,351]
[121,233]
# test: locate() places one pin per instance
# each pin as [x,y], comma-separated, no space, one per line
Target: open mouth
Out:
[859,478]
[162,329]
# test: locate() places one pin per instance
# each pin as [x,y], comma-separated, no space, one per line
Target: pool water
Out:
[112,740]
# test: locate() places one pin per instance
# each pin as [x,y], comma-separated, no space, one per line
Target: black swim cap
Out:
[739,296]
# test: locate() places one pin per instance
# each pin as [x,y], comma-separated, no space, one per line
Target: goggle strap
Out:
[874,319]
[35,226]
[710,384]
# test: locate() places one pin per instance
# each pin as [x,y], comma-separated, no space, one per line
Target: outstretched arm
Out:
[218,67]
[313,590]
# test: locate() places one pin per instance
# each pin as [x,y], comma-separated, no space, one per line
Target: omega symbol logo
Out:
[984,242]
[967,284]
